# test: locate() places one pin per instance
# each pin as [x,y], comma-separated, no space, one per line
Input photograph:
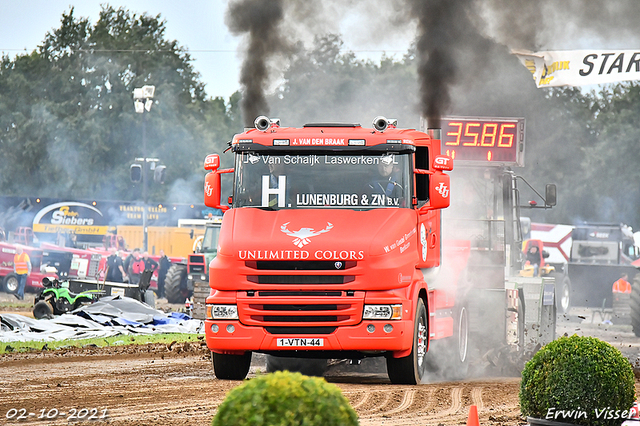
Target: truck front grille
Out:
[301,293]
[297,318]
[197,264]
[300,330]
[306,309]
[300,279]
[300,265]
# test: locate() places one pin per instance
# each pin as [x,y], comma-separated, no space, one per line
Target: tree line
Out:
[68,127]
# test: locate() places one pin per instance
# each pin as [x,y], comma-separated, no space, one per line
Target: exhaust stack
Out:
[381,123]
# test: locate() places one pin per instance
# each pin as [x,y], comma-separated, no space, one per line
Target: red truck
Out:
[322,254]
[331,244]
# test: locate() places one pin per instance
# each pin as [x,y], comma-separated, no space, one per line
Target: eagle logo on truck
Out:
[301,237]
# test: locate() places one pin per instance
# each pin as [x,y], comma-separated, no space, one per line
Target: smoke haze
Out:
[260,20]
[457,42]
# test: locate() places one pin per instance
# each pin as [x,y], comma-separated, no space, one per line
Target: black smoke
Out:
[261,21]
[436,40]
[463,47]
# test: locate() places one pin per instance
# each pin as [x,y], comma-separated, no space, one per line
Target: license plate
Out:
[300,342]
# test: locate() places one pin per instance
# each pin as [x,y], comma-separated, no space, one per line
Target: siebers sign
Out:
[78,217]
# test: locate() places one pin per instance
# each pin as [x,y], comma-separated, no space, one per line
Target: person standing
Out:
[622,285]
[22,268]
[127,262]
[136,267]
[534,259]
[165,264]
[115,268]
[149,263]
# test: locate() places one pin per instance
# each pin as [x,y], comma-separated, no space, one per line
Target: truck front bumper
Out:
[233,337]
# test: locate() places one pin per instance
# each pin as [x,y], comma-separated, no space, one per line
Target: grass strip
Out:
[121,340]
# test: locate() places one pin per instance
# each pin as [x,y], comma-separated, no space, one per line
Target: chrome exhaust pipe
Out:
[381,123]
[262,123]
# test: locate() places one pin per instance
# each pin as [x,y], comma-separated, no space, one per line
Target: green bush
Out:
[285,399]
[581,380]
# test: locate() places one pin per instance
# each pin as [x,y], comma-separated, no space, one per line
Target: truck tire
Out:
[42,309]
[634,304]
[306,366]
[231,367]
[174,288]
[410,370]
[563,293]
[448,358]
[10,284]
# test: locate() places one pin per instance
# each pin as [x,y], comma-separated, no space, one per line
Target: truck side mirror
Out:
[439,191]
[550,195]
[212,189]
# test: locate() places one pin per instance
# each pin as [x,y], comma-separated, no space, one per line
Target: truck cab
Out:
[324,246]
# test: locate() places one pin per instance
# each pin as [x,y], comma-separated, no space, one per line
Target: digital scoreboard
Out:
[474,140]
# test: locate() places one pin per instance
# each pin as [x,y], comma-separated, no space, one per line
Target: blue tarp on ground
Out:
[109,316]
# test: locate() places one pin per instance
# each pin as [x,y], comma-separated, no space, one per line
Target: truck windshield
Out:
[210,240]
[329,181]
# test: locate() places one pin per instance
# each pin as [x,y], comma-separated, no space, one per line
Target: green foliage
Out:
[583,374]
[67,122]
[285,399]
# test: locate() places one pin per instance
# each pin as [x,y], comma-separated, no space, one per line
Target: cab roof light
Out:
[357,142]
[280,142]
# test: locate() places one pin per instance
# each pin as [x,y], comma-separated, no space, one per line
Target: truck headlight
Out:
[228,312]
[202,277]
[382,312]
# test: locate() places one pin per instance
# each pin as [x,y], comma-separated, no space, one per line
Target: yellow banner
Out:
[77,229]
[581,67]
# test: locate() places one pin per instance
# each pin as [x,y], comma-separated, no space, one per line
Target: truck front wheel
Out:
[410,370]
[231,367]
[42,309]
[174,288]
[563,293]
[11,284]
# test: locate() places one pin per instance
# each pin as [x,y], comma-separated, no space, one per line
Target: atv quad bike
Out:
[56,299]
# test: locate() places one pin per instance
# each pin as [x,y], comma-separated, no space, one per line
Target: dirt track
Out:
[154,385]
[175,384]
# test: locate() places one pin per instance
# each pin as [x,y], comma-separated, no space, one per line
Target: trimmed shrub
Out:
[285,399]
[578,380]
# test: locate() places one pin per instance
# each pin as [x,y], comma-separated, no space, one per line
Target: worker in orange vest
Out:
[22,268]
[622,285]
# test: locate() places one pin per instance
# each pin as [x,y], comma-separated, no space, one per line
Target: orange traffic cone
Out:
[473,416]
